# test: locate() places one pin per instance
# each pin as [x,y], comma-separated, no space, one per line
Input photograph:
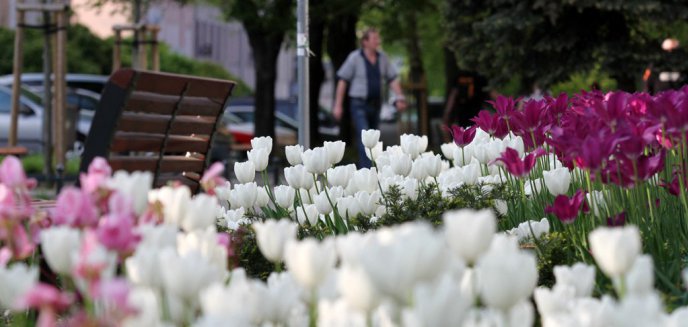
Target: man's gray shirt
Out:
[354,71]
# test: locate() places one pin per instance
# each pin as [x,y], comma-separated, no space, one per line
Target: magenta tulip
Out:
[461,136]
[517,166]
[567,209]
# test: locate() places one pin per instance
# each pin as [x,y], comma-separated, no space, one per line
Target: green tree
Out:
[547,41]
[267,23]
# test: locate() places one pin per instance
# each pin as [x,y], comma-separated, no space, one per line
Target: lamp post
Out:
[302,52]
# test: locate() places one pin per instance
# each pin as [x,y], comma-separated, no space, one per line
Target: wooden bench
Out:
[157,122]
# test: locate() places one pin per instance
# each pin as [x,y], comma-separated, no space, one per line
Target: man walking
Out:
[368,71]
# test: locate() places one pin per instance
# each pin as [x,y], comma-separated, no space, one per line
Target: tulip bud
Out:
[580,277]
[370,138]
[448,150]
[310,261]
[263,142]
[16,281]
[368,202]
[58,244]
[262,197]
[557,180]
[293,153]
[316,160]
[469,232]
[272,236]
[246,194]
[259,157]
[284,196]
[245,171]
[401,164]
[201,213]
[322,203]
[307,212]
[340,175]
[615,249]
[335,151]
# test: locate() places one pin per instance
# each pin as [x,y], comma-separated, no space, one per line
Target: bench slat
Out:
[128,141]
[168,163]
[157,124]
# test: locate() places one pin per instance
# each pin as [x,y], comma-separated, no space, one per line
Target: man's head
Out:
[370,39]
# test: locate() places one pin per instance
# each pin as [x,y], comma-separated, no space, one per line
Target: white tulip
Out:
[284,196]
[471,172]
[238,302]
[245,171]
[357,289]
[557,180]
[678,318]
[368,202]
[310,261]
[259,157]
[438,304]
[615,249]
[184,276]
[201,213]
[551,302]
[418,170]
[348,206]
[58,244]
[504,258]
[640,311]
[147,308]
[370,138]
[335,151]
[280,298]
[246,194]
[272,236]
[339,313]
[203,242]
[423,143]
[293,153]
[364,180]
[262,198]
[316,160]
[411,145]
[340,175]
[640,279]
[306,195]
[134,185]
[432,165]
[375,152]
[413,251]
[307,212]
[235,218]
[529,229]
[401,164]
[143,269]
[15,281]
[465,156]
[448,150]
[298,178]
[222,193]
[322,202]
[263,142]
[469,232]
[579,277]
[597,202]
[157,236]
[502,207]
[409,188]
[174,201]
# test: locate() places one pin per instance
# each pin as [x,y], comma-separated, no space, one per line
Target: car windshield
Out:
[32,96]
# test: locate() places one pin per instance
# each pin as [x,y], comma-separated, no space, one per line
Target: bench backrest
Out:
[157,122]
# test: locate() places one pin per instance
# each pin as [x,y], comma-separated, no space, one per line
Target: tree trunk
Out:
[417,72]
[265,48]
[451,70]
[317,76]
[341,40]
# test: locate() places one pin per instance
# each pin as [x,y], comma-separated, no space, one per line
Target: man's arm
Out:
[339,99]
[400,102]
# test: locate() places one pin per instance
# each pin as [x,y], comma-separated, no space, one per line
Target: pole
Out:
[47,97]
[302,55]
[116,51]
[17,70]
[60,96]
[155,52]
[135,53]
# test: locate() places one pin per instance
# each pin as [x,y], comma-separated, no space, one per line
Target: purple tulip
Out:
[617,220]
[517,166]
[462,136]
[567,209]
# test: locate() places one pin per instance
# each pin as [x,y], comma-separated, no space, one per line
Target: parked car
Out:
[239,118]
[30,119]
[94,83]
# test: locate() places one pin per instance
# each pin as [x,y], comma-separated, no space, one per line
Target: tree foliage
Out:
[547,41]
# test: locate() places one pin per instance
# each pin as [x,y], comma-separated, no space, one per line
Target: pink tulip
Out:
[48,300]
[120,204]
[12,172]
[92,261]
[98,173]
[567,209]
[116,232]
[75,208]
[517,166]
[213,178]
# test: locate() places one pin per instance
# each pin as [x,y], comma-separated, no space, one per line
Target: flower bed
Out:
[392,245]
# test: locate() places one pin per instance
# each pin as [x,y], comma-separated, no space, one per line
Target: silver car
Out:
[30,120]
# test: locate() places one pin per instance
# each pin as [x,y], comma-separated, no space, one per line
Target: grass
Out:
[34,163]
